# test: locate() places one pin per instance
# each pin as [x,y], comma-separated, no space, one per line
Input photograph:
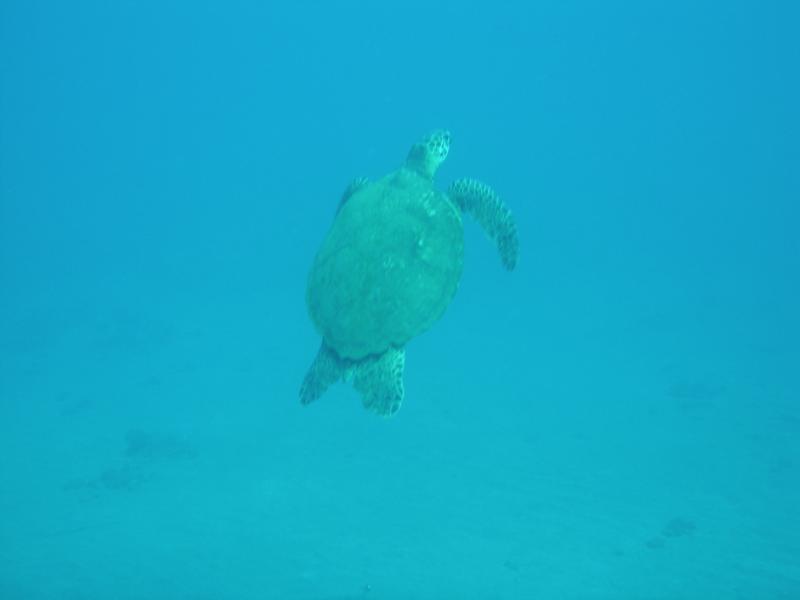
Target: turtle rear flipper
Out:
[380,381]
[486,207]
[326,370]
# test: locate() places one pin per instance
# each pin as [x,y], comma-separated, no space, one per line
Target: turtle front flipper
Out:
[486,207]
[326,370]
[380,381]
[355,185]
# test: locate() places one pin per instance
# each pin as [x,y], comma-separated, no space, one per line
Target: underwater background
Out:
[617,418]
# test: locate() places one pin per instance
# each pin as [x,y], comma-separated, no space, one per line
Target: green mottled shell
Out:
[388,267]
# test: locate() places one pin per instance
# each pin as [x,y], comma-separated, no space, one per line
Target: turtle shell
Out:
[388,267]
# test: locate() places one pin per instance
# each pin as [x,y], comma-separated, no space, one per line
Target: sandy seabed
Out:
[165,456]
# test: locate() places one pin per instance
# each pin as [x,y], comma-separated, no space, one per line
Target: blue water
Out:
[619,418]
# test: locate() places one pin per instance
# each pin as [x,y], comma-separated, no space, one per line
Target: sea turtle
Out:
[388,268]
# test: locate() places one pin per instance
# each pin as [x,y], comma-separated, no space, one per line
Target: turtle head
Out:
[426,155]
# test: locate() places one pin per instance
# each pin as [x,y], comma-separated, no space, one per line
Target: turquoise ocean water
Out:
[619,418]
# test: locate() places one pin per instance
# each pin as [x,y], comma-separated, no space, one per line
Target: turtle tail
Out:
[486,207]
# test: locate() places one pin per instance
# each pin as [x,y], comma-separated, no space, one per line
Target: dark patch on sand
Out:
[115,479]
[676,527]
[145,445]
